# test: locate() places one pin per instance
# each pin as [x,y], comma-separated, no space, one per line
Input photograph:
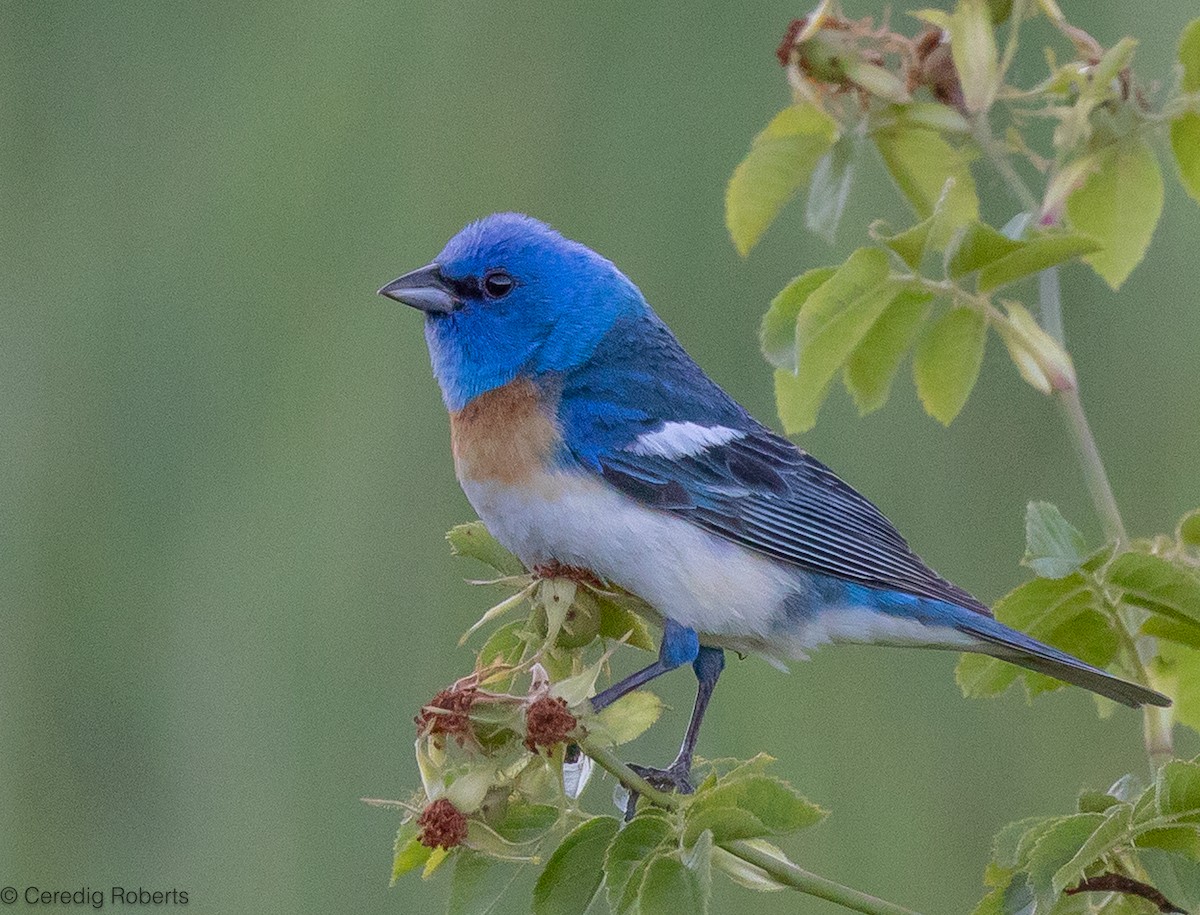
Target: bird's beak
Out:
[425,289]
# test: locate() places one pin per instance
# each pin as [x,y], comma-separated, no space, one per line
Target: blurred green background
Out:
[224,467]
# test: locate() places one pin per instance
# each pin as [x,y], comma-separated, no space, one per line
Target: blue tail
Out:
[1008,644]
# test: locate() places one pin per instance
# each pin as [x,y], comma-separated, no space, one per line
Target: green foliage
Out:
[475,541]
[1185,127]
[1080,602]
[947,362]
[1054,548]
[1119,206]
[925,166]
[500,786]
[872,367]
[779,163]
[1129,831]
[931,124]
[573,875]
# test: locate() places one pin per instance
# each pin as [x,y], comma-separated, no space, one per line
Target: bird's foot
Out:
[577,574]
[676,777]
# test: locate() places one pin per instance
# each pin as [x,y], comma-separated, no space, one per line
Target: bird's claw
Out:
[676,778]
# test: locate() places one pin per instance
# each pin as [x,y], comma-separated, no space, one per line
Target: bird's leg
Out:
[708,664]
[679,645]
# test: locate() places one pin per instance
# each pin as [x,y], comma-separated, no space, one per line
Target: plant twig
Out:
[784,871]
[1157,723]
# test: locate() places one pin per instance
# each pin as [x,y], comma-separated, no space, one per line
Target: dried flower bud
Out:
[547,723]
[448,713]
[442,825]
[933,67]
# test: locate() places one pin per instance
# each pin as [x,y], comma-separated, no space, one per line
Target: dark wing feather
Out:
[764,493]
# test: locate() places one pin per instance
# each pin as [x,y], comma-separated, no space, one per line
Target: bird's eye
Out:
[497,284]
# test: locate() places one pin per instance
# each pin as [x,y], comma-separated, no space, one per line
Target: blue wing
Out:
[759,490]
[764,493]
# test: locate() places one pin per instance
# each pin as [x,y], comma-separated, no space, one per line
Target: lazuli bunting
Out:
[584,435]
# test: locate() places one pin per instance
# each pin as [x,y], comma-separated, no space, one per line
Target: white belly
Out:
[715,587]
[730,595]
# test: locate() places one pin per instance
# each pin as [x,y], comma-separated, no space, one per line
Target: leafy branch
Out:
[506,752]
[929,103]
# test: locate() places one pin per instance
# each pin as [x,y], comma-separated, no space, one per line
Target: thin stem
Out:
[1157,723]
[607,760]
[785,872]
[982,131]
[1093,467]
[813,884]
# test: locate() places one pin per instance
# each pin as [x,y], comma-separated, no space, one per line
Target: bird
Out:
[585,436]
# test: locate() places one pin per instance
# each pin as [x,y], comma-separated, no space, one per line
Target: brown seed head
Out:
[547,723]
[442,825]
[448,713]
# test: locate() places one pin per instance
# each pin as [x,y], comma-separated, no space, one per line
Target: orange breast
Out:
[507,435]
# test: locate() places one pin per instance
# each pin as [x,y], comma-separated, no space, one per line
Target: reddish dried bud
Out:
[577,574]
[448,713]
[547,723]
[933,66]
[784,51]
[442,825]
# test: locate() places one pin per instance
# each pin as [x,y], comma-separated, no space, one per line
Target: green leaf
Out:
[1185,129]
[670,888]
[780,160]
[504,646]
[1055,849]
[700,859]
[936,116]
[479,884]
[1001,260]
[830,186]
[525,823]
[637,842]
[1189,56]
[574,872]
[777,335]
[912,243]
[409,852]
[725,824]
[973,48]
[1039,358]
[1094,801]
[1176,876]
[797,402]
[1119,205]
[1059,611]
[979,246]
[1177,671]
[619,620]
[947,362]
[1188,529]
[1112,831]
[832,322]
[1053,547]
[1185,144]
[474,540]
[871,368]
[743,873]
[876,80]
[921,162]
[1006,845]
[775,804]
[1177,791]
[628,717]
[1157,585]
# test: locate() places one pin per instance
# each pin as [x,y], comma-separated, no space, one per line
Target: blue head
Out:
[509,296]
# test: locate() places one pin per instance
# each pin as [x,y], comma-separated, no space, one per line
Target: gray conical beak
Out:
[425,289]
